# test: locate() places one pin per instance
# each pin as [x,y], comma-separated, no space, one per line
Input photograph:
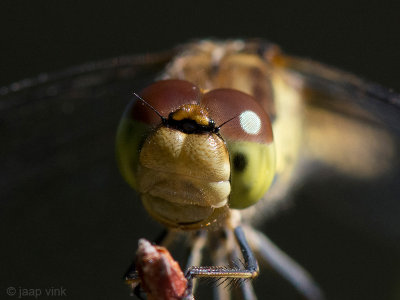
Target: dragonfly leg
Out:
[249,271]
[248,256]
[284,265]
[219,248]
[246,286]
[195,256]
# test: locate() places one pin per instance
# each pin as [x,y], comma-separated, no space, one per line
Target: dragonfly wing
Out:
[350,155]
[58,167]
[53,115]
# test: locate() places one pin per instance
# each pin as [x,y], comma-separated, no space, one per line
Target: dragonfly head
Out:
[187,169]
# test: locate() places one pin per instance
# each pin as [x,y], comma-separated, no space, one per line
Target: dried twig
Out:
[160,275]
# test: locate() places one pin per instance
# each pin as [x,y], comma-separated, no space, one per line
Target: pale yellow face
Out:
[184,178]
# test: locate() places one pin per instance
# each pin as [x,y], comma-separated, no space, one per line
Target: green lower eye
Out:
[252,171]
[130,138]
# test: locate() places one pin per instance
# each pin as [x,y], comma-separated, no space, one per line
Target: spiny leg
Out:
[246,287]
[248,256]
[284,265]
[249,271]
[219,249]
[197,243]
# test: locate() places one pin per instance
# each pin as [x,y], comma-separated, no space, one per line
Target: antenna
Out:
[219,127]
[150,106]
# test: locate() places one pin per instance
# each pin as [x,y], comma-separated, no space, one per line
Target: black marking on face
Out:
[239,162]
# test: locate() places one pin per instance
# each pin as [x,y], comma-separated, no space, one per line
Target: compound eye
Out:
[250,122]
[165,96]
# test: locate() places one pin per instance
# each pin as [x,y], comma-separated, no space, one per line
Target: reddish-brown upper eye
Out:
[247,120]
[250,122]
[165,96]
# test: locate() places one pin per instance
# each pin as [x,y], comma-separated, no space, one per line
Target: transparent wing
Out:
[59,181]
[45,119]
[350,160]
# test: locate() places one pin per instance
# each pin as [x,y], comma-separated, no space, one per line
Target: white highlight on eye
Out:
[250,122]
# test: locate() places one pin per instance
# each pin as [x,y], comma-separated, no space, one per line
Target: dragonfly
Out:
[230,124]
[313,120]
